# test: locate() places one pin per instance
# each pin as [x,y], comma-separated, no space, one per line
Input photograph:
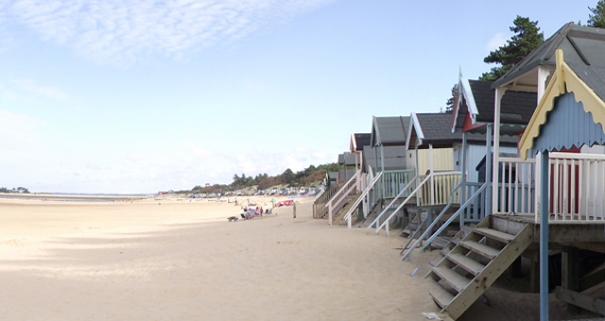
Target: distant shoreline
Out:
[75,197]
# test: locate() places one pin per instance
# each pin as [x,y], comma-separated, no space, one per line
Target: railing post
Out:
[330,214]
[488,171]
[387,226]
[431,173]
[544,237]
[499,93]
[463,178]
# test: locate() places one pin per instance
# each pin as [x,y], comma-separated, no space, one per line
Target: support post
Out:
[417,174]
[544,237]
[488,170]
[382,169]
[464,169]
[431,170]
[497,100]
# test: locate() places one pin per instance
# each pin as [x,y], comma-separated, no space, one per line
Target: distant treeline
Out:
[309,176]
[22,190]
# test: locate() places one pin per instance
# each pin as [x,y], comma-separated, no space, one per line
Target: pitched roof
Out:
[569,77]
[435,128]
[516,107]
[394,157]
[359,140]
[583,48]
[389,130]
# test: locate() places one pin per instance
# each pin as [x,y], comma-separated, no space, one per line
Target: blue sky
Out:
[140,96]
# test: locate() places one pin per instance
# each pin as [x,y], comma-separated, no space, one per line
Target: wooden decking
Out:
[582,235]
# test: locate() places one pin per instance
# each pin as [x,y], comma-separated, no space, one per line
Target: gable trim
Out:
[564,80]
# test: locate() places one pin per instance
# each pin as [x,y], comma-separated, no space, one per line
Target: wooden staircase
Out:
[476,262]
[347,204]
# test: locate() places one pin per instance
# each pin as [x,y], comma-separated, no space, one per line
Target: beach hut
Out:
[382,175]
[348,167]
[473,119]
[356,146]
[556,203]
[429,155]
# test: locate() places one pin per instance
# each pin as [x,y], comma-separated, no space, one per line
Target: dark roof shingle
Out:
[516,107]
[361,139]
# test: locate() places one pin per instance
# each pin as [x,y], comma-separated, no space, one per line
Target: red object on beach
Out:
[285,203]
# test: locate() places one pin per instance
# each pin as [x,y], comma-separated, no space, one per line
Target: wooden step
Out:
[441,296]
[466,263]
[494,234]
[455,280]
[484,250]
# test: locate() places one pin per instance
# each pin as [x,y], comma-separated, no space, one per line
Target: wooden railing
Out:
[430,186]
[472,203]
[516,187]
[393,181]
[319,204]
[414,190]
[473,195]
[338,200]
[349,215]
[577,188]
[437,190]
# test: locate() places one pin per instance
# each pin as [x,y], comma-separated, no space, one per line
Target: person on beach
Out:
[294,210]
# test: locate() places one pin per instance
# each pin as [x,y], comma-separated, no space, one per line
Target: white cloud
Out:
[23,91]
[121,30]
[32,87]
[496,41]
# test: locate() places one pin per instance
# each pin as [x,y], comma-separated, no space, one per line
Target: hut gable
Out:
[566,80]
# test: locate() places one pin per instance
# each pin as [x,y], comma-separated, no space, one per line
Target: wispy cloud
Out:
[496,41]
[122,30]
[29,90]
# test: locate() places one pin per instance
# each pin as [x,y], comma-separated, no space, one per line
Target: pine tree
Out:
[449,104]
[527,37]
[596,17]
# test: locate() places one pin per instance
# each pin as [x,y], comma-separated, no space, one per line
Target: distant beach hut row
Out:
[516,171]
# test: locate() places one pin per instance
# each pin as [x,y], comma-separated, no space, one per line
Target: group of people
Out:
[251,212]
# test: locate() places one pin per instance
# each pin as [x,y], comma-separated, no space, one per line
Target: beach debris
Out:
[413,273]
[232,218]
[431,316]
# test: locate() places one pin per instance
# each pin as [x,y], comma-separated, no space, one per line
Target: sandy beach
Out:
[181,260]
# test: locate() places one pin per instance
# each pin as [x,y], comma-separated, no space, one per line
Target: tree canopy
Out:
[310,175]
[596,17]
[526,37]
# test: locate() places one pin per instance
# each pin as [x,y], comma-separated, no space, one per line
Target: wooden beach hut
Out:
[430,156]
[555,206]
[473,119]
[382,174]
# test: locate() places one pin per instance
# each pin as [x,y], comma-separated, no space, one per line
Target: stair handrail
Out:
[376,221]
[428,242]
[349,215]
[342,189]
[418,187]
[414,242]
[400,194]
[323,191]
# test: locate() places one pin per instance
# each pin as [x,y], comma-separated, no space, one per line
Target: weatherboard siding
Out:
[443,159]
[568,126]
[474,155]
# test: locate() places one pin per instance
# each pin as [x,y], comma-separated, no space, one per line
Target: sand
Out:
[182,260]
